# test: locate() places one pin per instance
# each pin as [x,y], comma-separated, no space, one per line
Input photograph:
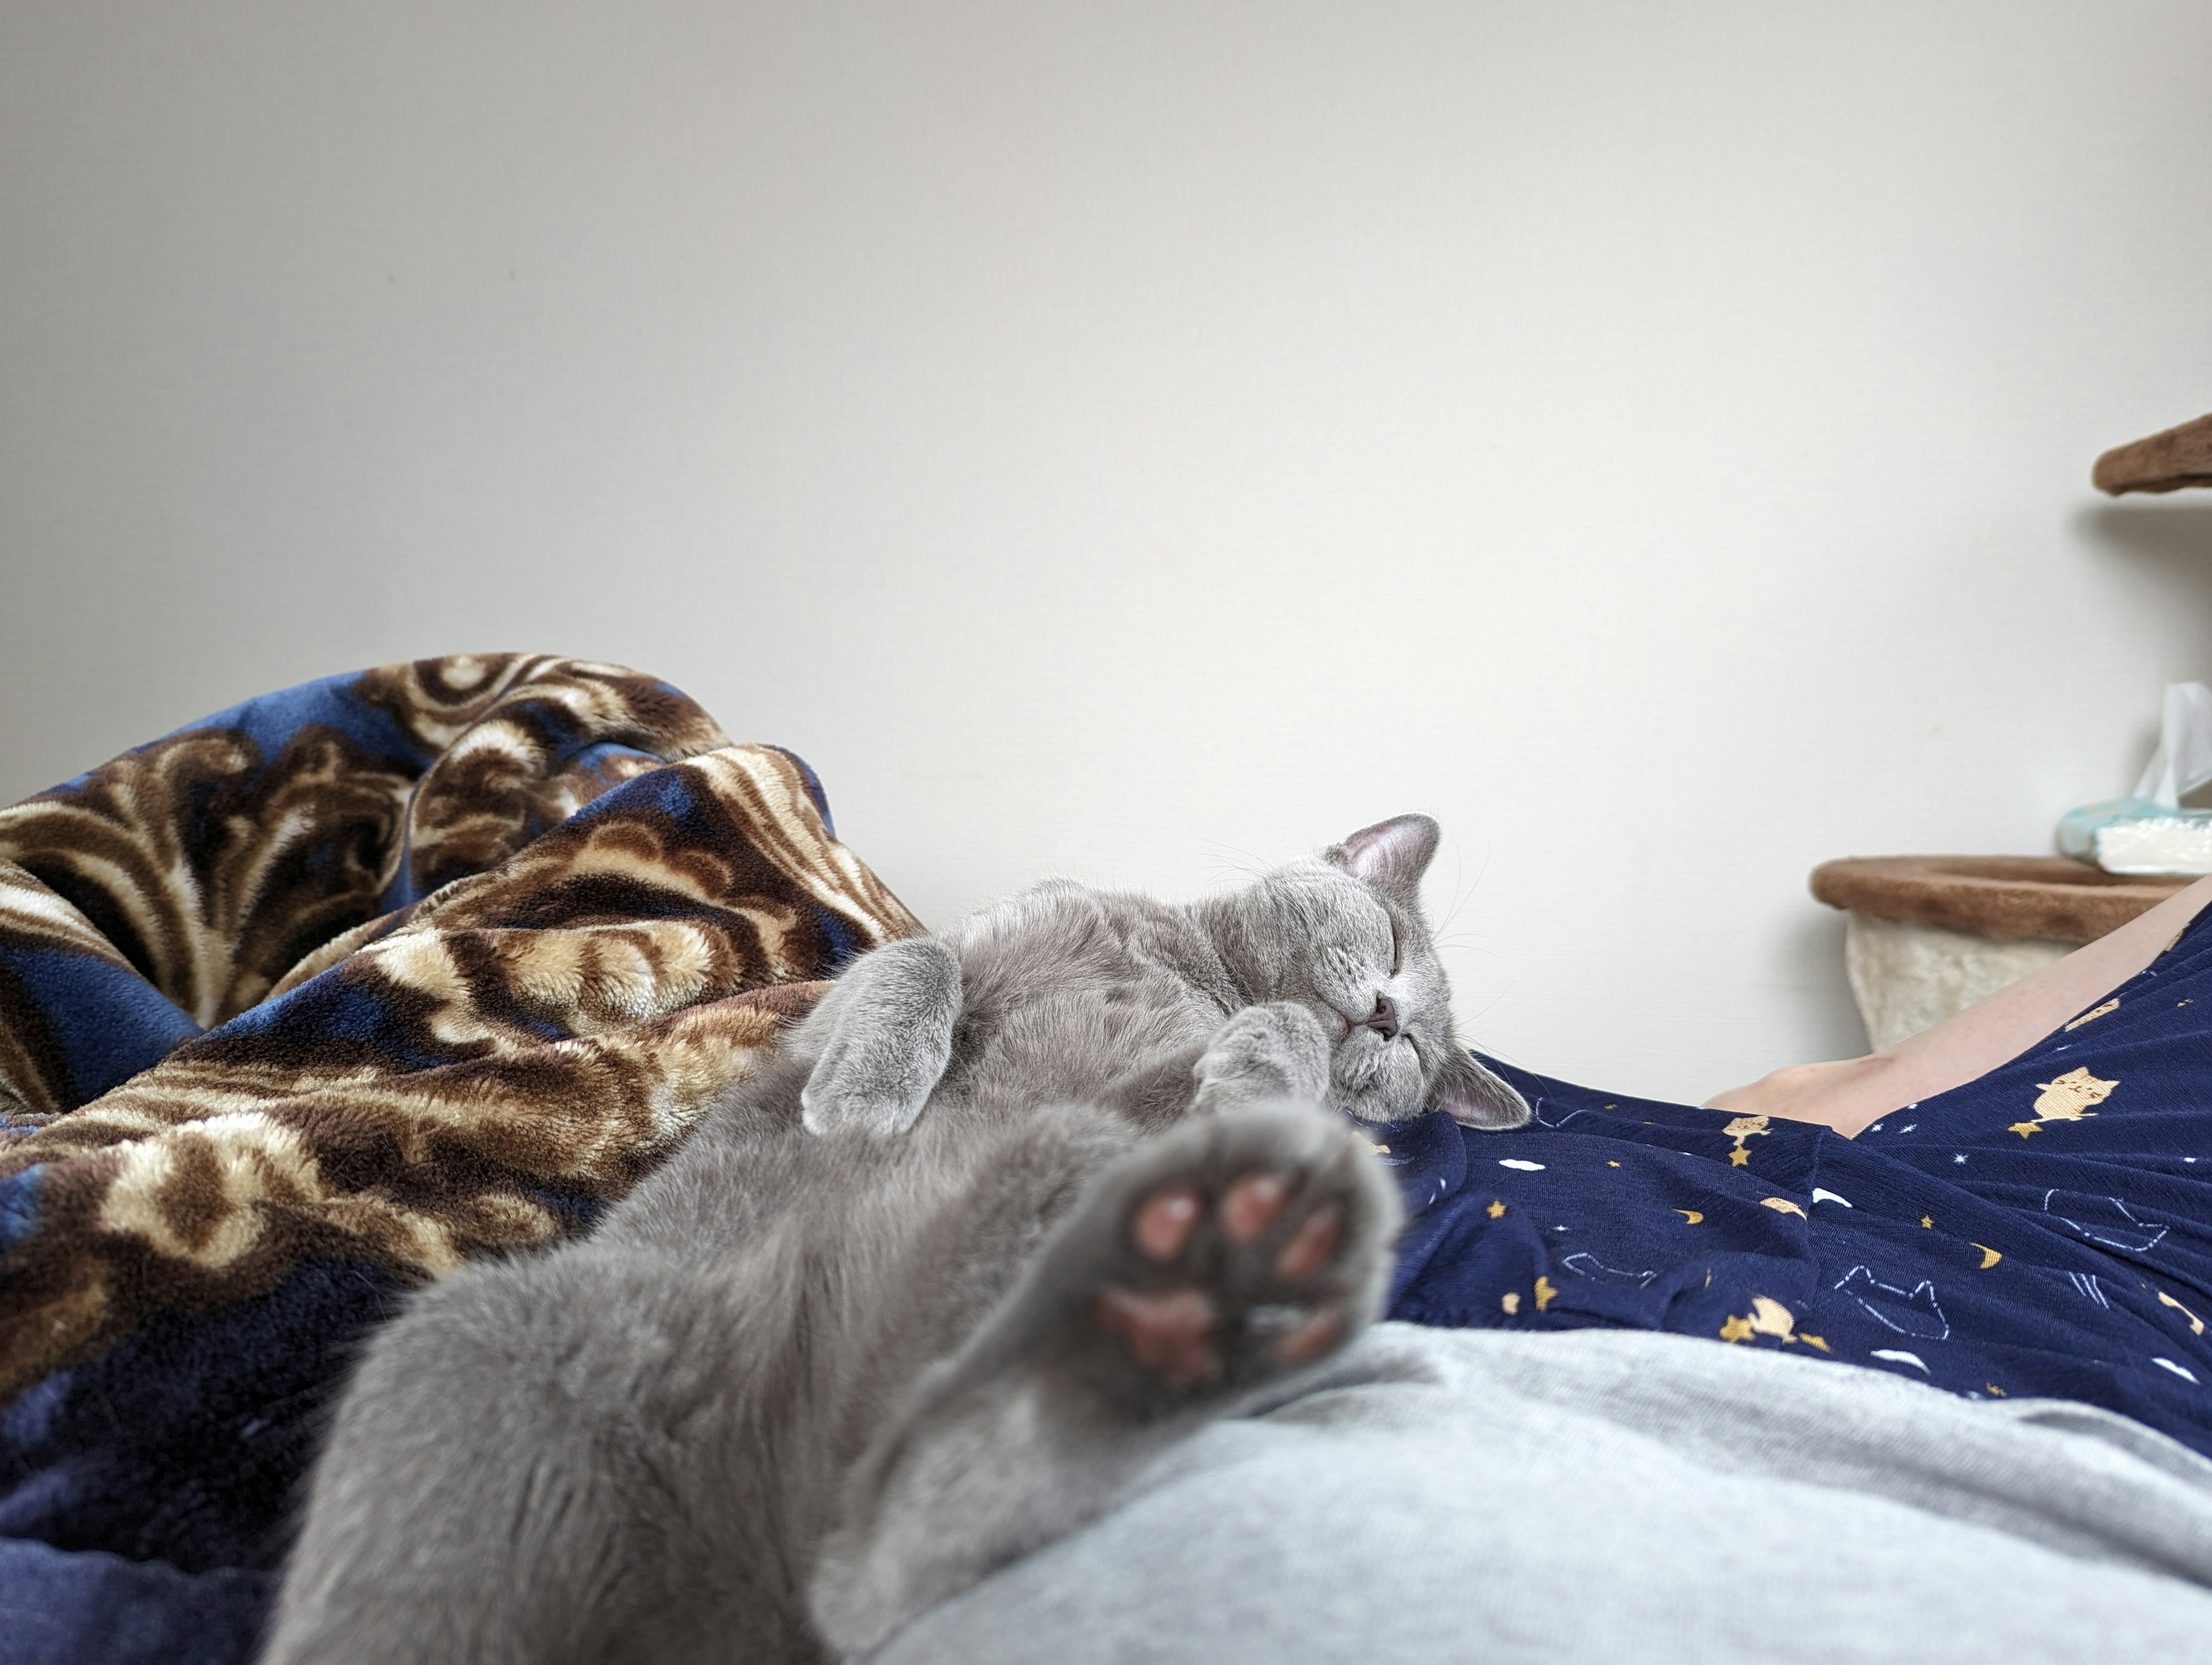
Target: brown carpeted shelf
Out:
[1992,895]
[2165,462]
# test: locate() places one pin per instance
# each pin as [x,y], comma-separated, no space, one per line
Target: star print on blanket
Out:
[1941,1244]
[315,999]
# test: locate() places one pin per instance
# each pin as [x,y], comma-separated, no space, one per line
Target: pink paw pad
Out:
[1252,1204]
[1311,1246]
[1163,1225]
[1182,1334]
[1169,1332]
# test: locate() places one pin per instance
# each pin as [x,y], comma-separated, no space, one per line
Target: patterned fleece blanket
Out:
[314,1000]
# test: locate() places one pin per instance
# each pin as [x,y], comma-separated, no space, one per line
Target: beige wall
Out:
[1142,441]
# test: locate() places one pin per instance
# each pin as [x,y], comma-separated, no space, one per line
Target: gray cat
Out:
[1012,1212]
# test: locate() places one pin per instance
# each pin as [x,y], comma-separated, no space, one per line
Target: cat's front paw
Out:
[1231,1251]
[1278,1051]
[887,1029]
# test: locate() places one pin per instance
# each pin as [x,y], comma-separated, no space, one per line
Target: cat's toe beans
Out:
[1168,1332]
[1165,1220]
[1252,1204]
[1312,1246]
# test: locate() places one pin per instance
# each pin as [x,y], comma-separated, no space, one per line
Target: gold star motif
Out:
[1736,1329]
[1544,1293]
[1496,1211]
[2024,1128]
[1739,1158]
[1928,1222]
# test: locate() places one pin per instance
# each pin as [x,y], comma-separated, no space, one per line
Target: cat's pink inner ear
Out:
[1475,1096]
[1394,852]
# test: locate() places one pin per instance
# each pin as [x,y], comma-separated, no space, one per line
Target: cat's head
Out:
[1343,933]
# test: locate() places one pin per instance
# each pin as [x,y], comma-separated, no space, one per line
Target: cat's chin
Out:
[1379,1081]
[1383,1107]
[1380,1114]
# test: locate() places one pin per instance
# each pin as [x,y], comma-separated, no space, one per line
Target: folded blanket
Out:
[314,1000]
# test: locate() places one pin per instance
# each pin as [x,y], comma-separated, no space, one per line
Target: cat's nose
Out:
[1385,1019]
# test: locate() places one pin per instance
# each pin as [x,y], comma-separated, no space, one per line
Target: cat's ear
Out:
[1391,855]
[1476,1097]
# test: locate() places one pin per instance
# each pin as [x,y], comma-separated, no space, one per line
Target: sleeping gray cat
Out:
[1011,1212]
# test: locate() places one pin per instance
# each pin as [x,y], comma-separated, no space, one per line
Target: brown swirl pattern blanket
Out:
[320,998]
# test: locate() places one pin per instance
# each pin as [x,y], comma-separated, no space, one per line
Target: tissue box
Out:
[2137,836]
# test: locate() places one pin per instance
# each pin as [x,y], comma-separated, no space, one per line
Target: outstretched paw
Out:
[1264,1054]
[1229,1251]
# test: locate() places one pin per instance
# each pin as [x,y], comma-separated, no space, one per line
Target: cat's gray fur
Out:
[856,1344]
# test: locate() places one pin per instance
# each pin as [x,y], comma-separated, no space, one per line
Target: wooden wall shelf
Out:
[2165,462]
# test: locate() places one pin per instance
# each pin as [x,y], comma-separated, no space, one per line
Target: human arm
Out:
[1850,1094]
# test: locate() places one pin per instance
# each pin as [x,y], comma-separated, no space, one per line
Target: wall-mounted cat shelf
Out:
[1927,936]
[2165,462]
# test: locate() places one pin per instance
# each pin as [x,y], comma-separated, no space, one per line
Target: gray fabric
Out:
[1498,1496]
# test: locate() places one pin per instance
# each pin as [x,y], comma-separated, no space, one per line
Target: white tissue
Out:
[2175,843]
[2183,762]
[2150,832]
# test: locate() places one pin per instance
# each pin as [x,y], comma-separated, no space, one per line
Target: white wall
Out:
[1139,441]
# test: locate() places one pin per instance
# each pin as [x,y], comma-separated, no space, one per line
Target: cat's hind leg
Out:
[526,1469]
[1202,1266]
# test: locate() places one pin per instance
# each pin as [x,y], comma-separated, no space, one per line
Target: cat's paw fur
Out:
[1270,1053]
[1203,1265]
[886,1033]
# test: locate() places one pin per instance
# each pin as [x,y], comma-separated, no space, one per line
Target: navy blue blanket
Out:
[2044,1231]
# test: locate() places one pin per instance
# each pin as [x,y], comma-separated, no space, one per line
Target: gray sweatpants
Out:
[1614,1496]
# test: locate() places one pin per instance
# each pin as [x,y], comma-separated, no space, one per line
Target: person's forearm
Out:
[1853,1093]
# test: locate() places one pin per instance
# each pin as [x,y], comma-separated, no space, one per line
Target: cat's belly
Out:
[1070,1047]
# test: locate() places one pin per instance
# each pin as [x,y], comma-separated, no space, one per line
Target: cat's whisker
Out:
[1246,864]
